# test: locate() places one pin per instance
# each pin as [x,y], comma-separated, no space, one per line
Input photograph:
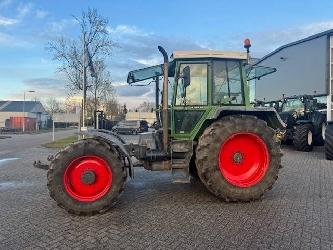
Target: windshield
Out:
[256,72]
[293,105]
[149,73]
[196,92]
[321,102]
[144,74]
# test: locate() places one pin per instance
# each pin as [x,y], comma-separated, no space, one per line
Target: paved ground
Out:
[20,142]
[153,213]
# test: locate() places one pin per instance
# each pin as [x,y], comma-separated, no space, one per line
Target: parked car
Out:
[131,127]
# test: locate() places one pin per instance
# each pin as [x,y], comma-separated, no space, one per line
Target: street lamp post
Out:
[29,91]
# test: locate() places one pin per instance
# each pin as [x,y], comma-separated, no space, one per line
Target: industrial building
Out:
[14,113]
[303,67]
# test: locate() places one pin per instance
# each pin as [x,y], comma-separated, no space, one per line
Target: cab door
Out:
[191,98]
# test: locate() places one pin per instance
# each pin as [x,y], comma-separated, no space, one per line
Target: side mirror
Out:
[186,74]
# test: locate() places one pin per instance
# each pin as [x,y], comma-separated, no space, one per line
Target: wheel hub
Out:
[88,177]
[243,159]
[237,157]
[309,137]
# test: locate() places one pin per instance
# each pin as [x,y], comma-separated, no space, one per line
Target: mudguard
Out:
[299,122]
[116,141]
[267,114]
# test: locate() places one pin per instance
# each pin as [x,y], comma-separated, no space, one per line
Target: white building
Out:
[303,67]
[148,116]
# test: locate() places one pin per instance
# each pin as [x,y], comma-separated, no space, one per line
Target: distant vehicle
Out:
[273,104]
[131,127]
[305,117]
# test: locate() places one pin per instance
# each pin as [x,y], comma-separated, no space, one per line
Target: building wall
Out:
[7,115]
[301,69]
[330,96]
[148,116]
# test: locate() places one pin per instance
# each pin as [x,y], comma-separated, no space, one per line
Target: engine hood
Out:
[288,118]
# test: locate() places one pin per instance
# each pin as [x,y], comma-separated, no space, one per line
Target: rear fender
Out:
[264,113]
[115,141]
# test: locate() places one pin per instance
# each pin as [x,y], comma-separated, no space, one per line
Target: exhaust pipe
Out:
[165,98]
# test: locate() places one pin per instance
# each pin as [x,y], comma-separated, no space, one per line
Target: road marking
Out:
[3,161]
[5,185]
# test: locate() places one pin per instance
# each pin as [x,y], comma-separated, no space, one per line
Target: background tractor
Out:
[277,105]
[305,117]
[208,126]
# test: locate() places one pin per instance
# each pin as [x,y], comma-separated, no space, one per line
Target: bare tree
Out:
[101,87]
[146,106]
[52,106]
[77,55]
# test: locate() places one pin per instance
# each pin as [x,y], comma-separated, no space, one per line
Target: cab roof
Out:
[209,54]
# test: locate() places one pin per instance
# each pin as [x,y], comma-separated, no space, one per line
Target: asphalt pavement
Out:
[154,213]
[17,143]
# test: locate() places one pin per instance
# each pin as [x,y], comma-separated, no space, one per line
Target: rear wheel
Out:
[303,137]
[329,141]
[238,158]
[86,177]
[319,126]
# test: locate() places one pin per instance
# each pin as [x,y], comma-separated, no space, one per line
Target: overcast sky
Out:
[138,27]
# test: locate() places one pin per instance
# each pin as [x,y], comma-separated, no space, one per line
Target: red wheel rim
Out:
[88,178]
[243,159]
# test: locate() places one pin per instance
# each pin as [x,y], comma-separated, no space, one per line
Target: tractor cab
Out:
[199,82]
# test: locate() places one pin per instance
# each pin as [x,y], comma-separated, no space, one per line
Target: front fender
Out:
[115,141]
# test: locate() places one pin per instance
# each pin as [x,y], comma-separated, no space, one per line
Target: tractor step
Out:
[182,151]
[180,171]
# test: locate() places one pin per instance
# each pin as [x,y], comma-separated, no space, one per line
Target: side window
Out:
[227,86]
[196,92]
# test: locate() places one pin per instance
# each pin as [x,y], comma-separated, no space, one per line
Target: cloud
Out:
[138,49]
[60,26]
[40,14]
[4,21]
[24,9]
[46,87]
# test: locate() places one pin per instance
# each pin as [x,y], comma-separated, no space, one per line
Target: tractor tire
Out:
[238,158]
[329,142]
[87,177]
[319,126]
[303,137]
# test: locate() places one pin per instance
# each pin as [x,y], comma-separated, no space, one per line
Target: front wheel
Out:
[238,158]
[87,177]
[303,137]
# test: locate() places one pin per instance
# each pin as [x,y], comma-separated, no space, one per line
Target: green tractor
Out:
[208,128]
[305,117]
